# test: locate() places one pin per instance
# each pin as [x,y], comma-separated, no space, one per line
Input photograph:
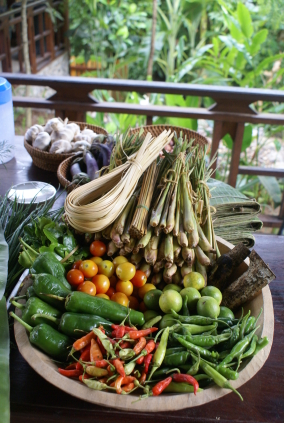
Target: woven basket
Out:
[63,173]
[50,161]
[156,130]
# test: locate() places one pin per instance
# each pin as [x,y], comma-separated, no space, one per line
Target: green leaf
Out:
[4,257]
[245,20]
[257,40]
[272,187]
[4,363]
[247,138]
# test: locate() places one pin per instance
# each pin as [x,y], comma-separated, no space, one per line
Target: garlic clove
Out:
[42,141]
[80,145]
[90,133]
[54,123]
[62,134]
[83,137]
[32,132]
[74,128]
[61,146]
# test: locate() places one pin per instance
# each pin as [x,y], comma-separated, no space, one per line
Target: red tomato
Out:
[76,265]
[98,248]
[88,268]
[139,279]
[75,277]
[110,292]
[87,287]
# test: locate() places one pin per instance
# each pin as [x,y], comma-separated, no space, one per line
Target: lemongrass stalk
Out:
[142,243]
[122,252]
[157,231]
[199,210]
[169,273]
[129,247]
[176,248]
[187,205]
[98,236]
[201,256]
[193,237]
[202,270]
[203,241]
[182,238]
[146,268]
[188,255]
[158,266]
[106,232]
[185,270]
[179,262]
[151,250]
[125,237]
[157,212]
[172,208]
[111,249]
[123,217]
[136,258]
[161,250]
[157,278]
[169,248]
[163,221]
[177,278]
[177,213]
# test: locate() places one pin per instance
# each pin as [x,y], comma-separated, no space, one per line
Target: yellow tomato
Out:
[87,287]
[120,298]
[96,260]
[106,267]
[124,286]
[145,288]
[125,271]
[118,260]
[133,302]
[102,283]
[106,297]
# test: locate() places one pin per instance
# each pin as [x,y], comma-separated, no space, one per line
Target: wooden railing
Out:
[44,42]
[232,109]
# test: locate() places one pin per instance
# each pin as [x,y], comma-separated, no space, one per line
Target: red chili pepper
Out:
[143,378]
[119,367]
[118,332]
[125,344]
[129,387]
[147,361]
[140,360]
[140,345]
[100,363]
[126,328]
[149,348]
[161,386]
[122,381]
[71,366]
[70,373]
[82,342]
[85,356]
[187,379]
[135,334]
[86,376]
[102,348]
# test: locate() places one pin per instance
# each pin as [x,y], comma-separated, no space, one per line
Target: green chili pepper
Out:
[30,292]
[79,302]
[193,370]
[95,371]
[160,352]
[49,340]
[207,340]
[35,306]
[181,388]
[251,349]
[185,311]
[233,339]
[48,263]
[129,367]
[227,373]
[251,322]
[223,354]
[176,359]
[152,322]
[217,377]
[197,329]
[238,349]
[126,353]
[94,384]
[243,326]
[261,343]
[174,350]
[50,289]
[196,320]
[105,341]
[226,321]
[210,355]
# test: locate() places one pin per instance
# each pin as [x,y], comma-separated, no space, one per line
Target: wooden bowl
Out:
[50,161]
[46,368]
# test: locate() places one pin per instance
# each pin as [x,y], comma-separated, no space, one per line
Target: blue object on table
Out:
[7,130]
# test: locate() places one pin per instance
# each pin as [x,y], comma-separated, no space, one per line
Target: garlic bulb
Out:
[61,146]
[83,137]
[62,134]
[74,128]
[54,123]
[32,132]
[80,145]
[42,141]
[90,133]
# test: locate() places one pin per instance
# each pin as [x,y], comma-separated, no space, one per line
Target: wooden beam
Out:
[263,171]
[236,152]
[270,221]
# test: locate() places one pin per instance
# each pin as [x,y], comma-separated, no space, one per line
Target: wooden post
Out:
[235,158]
[40,27]
[32,48]
[5,46]
[50,36]
[217,135]
[19,43]
[149,120]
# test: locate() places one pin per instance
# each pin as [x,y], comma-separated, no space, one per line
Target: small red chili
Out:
[70,373]
[179,377]
[140,345]
[147,361]
[118,332]
[161,386]
[119,367]
[136,334]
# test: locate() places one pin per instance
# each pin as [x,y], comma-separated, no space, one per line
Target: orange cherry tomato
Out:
[110,292]
[125,271]
[96,260]
[139,278]
[118,260]
[106,297]
[120,298]
[87,287]
[113,281]
[124,286]
[145,288]
[75,277]
[76,265]
[98,248]
[88,268]
[142,307]
[133,302]
[102,283]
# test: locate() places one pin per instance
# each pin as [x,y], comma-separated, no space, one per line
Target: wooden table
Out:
[33,400]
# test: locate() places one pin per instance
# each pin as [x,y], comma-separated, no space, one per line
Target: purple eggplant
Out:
[91,165]
[75,169]
[102,153]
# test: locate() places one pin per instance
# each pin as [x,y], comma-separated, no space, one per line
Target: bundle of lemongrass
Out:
[169,233]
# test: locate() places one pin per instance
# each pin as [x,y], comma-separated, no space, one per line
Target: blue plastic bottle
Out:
[7,130]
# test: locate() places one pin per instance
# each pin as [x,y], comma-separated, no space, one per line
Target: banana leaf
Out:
[235,215]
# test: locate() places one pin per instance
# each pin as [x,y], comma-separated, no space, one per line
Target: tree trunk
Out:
[26,56]
[152,48]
